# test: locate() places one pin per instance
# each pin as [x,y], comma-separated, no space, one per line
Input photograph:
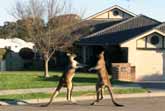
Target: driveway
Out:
[153,85]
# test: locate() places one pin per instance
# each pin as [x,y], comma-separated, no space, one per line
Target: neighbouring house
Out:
[13,60]
[135,44]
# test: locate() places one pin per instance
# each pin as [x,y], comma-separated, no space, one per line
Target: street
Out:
[131,104]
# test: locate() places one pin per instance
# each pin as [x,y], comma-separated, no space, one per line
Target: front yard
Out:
[35,79]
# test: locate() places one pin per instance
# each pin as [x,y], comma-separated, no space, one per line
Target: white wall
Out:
[15,44]
[109,14]
[150,64]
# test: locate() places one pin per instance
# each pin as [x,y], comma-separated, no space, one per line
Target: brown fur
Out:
[66,79]
[103,80]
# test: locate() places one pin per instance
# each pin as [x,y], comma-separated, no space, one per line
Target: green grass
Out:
[79,93]
[35,79]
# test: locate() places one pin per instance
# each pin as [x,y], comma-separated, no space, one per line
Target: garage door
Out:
[149,65]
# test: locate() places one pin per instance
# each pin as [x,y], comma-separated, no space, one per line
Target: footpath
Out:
[49,90]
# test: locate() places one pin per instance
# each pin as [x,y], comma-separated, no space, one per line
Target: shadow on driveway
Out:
[153,85]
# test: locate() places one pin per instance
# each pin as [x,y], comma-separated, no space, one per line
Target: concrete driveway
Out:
[153,85]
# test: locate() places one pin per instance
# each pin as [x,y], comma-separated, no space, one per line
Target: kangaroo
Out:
[66,79]
[103,80]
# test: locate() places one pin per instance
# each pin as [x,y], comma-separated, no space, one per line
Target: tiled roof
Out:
[161,27]
[121,32]
[88,27]
[101,24]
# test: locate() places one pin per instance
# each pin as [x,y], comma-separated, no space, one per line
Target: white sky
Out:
[152,8]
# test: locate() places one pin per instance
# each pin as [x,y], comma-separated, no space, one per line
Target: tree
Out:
[47,23]
[8,30]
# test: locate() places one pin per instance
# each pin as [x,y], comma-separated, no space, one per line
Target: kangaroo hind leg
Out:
[55,93]
[102,93]
[111,95]
[69,92]
[98,91]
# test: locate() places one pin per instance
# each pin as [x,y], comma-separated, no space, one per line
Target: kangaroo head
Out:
[71,56]
[101,55]
[73,62]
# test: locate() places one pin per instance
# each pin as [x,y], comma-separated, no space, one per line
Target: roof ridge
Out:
[122,22]
[159,25]
[150,18]
[125,10]
[114,6]
[110,27]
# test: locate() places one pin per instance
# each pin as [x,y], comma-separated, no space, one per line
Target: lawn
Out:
[35,79]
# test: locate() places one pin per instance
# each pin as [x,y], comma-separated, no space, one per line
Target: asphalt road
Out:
[132,104]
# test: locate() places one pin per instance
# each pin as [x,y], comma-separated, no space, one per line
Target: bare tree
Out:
[47,23]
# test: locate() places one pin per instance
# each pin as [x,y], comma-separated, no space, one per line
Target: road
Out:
[131,104]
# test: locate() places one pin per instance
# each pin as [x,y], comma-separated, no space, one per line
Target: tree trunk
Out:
[46,60]
[46,74]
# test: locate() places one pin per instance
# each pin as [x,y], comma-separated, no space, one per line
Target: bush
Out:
[26,54]
[3,53]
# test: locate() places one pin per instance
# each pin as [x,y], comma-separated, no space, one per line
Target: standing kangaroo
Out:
[66,79]
[103,80]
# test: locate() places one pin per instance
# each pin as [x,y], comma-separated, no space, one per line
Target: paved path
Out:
[152,86]
[43,90]
[48,90]
[131,104]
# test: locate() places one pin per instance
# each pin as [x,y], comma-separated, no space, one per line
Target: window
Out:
[154,40]
[115,13]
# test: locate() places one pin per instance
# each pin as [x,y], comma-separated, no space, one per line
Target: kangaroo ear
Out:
[74,55]
[102,52]
[68,54]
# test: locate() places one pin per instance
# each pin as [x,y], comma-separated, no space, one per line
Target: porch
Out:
[116,60]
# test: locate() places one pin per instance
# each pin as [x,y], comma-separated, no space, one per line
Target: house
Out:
[135,44]
[13,60]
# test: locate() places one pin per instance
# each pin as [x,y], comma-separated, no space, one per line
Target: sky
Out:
[152,8]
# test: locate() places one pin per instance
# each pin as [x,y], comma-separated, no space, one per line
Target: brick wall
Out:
[123,71]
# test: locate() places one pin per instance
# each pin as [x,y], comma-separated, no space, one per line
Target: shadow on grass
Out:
[83,80]
[13,101]
[120,82]
[56,78]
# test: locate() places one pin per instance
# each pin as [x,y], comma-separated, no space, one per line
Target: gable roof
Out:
[121,32]
[87,27]
[161,27]
[98,25]
[109,9]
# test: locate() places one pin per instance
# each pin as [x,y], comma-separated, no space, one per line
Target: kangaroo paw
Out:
[94,103]
[45,105]
[119,105]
